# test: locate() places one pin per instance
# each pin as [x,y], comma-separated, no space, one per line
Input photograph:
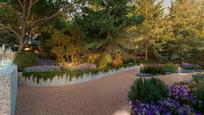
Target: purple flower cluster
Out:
[46,63]
[42,68]
[181,92]
[164,107]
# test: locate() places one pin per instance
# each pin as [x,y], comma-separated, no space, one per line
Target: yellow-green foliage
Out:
[117,60]
[66,46]
[105,60]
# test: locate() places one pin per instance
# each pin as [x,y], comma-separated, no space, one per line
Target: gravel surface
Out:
[105,96]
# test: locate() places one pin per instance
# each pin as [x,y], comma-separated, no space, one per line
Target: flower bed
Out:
[184,98]
[66,77]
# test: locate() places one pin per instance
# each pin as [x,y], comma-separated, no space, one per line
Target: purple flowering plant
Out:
[181,101]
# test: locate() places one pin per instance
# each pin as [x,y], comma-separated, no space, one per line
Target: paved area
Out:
[105,96]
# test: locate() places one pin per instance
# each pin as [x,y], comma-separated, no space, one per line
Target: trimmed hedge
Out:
[25,59]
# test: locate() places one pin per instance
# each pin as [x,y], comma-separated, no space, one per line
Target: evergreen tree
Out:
[104,21]
[184,29]
[151,29]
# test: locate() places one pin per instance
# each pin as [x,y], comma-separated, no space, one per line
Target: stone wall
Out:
[8,89]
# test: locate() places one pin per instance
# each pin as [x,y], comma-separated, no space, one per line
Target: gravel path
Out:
[105,96]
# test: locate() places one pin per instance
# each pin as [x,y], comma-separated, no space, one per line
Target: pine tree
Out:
[151,29]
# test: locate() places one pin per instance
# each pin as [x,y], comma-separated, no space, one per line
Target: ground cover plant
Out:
[157,69]
[182,98]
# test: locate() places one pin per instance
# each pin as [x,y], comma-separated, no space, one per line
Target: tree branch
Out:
[35,2]
[11,30]
[46,18]
[20,3]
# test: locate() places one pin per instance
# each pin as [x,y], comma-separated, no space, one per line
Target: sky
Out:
[167,3]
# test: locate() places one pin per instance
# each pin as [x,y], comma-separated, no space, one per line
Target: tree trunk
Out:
[21,45]
[146,52]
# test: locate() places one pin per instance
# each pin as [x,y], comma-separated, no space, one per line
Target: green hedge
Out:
[25,59]
[71,73]
[159,69]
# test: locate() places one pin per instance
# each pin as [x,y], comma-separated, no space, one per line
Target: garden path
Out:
[105,96]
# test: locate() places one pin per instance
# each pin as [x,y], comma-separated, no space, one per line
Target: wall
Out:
[8,89]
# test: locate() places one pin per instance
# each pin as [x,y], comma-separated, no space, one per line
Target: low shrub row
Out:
[55,71]
[159,69]
[183,98]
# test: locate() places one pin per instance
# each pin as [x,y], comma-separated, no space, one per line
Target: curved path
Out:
[105,96]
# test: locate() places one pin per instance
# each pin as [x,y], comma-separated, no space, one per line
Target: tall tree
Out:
[185,28]
[151,29]
[21,16]
[103,21]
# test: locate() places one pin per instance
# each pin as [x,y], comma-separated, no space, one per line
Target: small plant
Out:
[148,90]
[105,61]
[170,68]
[153,69]
[198,77]
[25,59]
[199,94]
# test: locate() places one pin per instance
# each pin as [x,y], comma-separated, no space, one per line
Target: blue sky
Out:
[166,4]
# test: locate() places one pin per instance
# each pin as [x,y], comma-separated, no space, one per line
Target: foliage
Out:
[148,90]
[199,94]
[181,40]
[158,69]
[25,59]
[92,57]
[184,98]
[153,69]
[60,72]
[117,61]
[166,106]
[170,68]
[102,21]
[182,93]
[152,27]
[105,61]
[66,46]
[198,77]
[29,15]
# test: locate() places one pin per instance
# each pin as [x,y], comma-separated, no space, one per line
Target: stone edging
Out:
[65,80]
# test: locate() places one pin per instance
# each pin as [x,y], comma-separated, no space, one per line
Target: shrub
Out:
[190,66]
[148,90]
[153,69]
[170,68]
[159,69]
[25,59]
[199,94]
[105,61]
[117,61]
[198,77]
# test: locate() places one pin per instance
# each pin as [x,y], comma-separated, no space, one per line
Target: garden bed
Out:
[182,98]
[38,79]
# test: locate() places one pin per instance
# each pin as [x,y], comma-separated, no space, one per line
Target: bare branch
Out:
[46,18]
[35,2]
[11,30]
[20,3]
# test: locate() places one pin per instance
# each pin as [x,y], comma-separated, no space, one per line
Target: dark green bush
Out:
[159,69]
[148,90]
[153,69]
[199,77]
[199,92]
[170,68]
[25,59]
